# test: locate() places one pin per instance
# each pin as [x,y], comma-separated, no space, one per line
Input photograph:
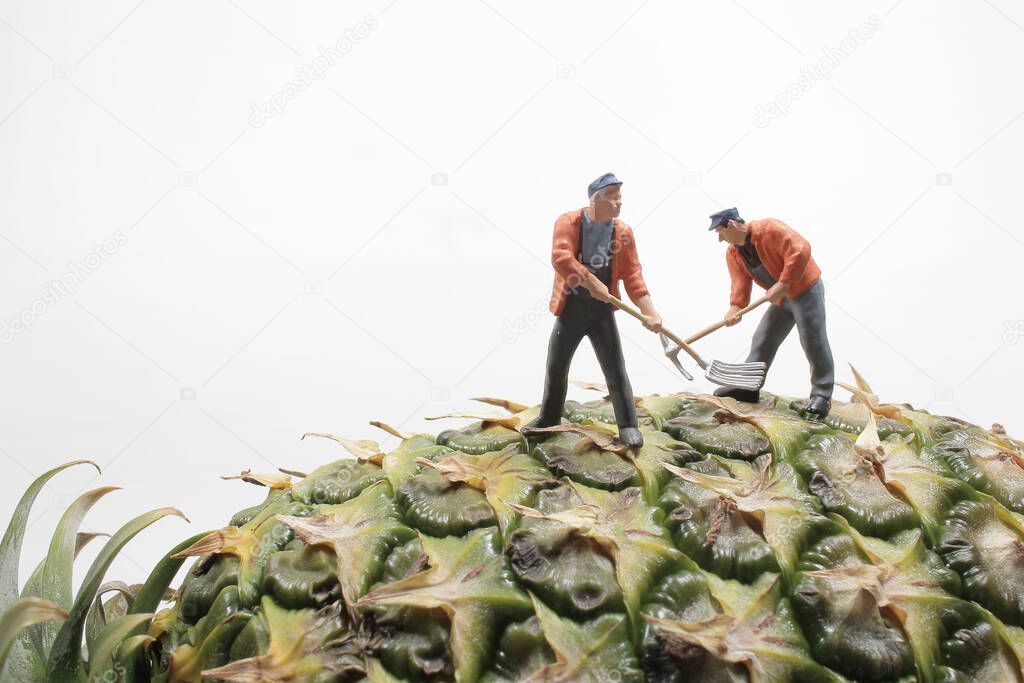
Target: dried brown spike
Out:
[363,449]
[510,406]
[391,430]
[590,386]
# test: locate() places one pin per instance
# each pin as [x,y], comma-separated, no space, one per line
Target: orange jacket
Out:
[568,269]
[785,255]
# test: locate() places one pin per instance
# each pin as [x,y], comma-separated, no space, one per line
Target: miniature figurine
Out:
[592,251]
[779,259]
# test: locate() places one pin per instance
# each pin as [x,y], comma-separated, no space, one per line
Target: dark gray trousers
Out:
[586,317]
[807,312]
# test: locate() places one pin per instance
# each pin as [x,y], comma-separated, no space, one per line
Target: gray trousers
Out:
[586,317]
[807,312]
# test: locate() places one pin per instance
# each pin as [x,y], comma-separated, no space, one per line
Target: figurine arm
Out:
[796,254]
[739,294]
[632,272]
[563,253]
[653,318]
[636,287]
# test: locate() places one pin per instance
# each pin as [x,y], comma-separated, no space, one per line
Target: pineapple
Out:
[741,543]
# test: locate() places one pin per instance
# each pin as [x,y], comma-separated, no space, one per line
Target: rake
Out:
[740,375]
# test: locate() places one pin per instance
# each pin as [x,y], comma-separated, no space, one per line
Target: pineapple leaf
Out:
[27,651]
[101,612]
[10,547]
[65,657]
[153,590]
[18,616]
[102,648]
[55,579]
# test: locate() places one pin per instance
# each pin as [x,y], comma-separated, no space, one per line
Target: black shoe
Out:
[818,406]
[631,437]
[531,427]
[745,395]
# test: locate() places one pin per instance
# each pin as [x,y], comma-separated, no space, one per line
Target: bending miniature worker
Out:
[775,256]
[592,252]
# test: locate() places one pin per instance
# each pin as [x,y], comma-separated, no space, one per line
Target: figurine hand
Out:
[730,316]
[652,321]
[777,294]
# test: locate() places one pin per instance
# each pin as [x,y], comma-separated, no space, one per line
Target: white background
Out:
[311,273]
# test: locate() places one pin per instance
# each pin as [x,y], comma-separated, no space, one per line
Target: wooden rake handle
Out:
[721,323]
[623,306]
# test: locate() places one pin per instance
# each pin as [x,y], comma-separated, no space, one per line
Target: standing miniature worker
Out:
[592,251]
[775,256]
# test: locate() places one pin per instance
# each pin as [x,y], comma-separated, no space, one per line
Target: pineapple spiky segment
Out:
[743,542]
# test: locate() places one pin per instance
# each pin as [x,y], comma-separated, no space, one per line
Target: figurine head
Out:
[729,226]
[607,202]
[605,197]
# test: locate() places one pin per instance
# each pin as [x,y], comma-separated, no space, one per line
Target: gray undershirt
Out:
[595,243]
[753,262]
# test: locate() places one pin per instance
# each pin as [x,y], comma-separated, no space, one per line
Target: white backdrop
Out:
[224,223]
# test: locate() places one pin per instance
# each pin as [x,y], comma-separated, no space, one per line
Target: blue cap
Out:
[717,219]
[607,180]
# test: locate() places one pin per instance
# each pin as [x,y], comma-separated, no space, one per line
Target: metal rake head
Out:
[672,353]
[741,375]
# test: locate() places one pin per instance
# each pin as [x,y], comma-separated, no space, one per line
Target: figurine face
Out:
[731,233]
[609,202]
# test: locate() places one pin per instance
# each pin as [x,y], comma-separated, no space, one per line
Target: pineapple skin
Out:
[742,542]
